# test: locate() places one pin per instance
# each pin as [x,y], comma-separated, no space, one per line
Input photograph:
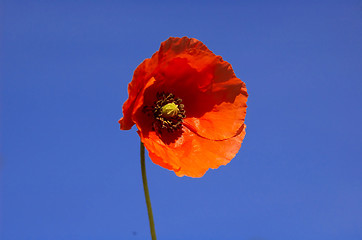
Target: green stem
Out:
[147,194]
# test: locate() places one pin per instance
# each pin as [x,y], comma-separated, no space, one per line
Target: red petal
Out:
[191,155]
[141,76]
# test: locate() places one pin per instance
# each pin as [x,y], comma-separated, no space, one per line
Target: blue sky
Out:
[68,172]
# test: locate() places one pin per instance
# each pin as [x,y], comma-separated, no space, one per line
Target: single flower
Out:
[188,106]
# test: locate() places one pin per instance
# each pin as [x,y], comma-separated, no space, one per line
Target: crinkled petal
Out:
[175,47]
[192,155]
[141,76]
[214,98]
[225,118]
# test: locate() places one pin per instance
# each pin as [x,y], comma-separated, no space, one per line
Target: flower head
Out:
[188,106]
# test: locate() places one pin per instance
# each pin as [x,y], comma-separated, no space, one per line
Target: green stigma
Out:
[169,110]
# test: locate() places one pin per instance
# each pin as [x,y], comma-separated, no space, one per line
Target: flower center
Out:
[167,112]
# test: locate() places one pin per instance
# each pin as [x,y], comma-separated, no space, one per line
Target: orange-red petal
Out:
[214,98]
[191,155]
[141,76]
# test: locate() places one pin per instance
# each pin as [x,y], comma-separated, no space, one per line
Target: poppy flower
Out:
[188,106]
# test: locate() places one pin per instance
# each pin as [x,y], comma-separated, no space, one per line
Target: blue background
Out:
[68,172]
